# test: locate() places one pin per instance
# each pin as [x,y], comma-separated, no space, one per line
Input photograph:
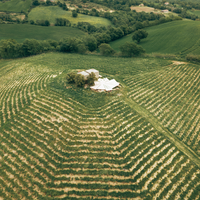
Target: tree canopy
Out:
[131,49]
[139,34]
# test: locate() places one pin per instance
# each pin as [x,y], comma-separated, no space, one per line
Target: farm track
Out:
[56,148]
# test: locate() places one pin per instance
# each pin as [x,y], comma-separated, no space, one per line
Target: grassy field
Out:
[52,12]
[195,12]
[178,37]
[15,5]
[20,32]
[62,142]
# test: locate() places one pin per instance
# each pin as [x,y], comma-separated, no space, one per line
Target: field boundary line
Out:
[159,127]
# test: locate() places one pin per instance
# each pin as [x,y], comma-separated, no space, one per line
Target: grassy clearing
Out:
[178,37]
[15,5]
[52,12]
[56,145]
[20,32]
[195,12]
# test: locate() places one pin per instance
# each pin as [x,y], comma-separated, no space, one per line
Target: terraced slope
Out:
[54,147]
[172,96]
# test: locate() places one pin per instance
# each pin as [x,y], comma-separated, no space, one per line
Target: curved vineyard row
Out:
[173,96]
[18,93]
[57,148]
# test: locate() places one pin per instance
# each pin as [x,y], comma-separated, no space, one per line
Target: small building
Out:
[96,72]
[166,3]
[141,5]
[165,11]
[89,71]
[84,73]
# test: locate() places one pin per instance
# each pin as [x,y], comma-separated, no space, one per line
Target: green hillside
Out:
[63,142]
[52,12]
[178,37]
[15,5]
[20,32]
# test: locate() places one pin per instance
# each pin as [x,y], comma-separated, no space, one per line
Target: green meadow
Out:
[20,32]
[15,5]
[177,37]
[52,12]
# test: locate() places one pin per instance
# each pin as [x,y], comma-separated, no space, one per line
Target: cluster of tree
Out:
[184,14]
[49,3]
[80,80]
[40,22]
[62,22]
[74,13]
[12,49]
[139,34]
[193,58]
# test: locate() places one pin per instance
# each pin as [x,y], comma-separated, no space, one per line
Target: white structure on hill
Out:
[89,71]
[84,73]
[96,72]
[105,84]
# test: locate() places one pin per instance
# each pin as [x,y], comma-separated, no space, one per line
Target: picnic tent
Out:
[105,84]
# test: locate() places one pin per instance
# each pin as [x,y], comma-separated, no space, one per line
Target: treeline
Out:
[12,49]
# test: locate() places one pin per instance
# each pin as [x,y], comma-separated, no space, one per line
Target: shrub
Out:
[70,45]
[131,49]
[91,79]
[74,13]
[90,42]
[195,58]
[139,34]
[79,80]
[106,49]
[71,77]
[8,48]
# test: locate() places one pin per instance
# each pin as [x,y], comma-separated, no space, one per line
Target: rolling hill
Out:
[177,37]
[63,142]
[15,5]
[20,32]
[52,12]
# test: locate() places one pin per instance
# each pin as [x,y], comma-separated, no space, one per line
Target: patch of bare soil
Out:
[141,9]
[178,63]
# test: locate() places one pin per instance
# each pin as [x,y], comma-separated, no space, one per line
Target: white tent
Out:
[105,84]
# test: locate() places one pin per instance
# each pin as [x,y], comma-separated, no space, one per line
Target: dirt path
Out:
[172,138]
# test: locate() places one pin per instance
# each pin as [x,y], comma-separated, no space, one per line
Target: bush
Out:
[31,47]
[70,45]
[9,48]
[62,22]
[82,48]
[106,49]
[71,77]
[90,42]
[139,34]
[131,49]
[32,22]
[194,58]
[74,13]
[79,80]
[91,79]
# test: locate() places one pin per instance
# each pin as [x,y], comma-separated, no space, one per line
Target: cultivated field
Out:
[62,142]
[178,37]
[52,12]
[20,32]
[15,5]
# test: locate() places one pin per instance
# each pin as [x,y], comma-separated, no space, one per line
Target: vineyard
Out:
[53,146]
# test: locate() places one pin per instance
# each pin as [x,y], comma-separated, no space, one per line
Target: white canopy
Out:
[105,84]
